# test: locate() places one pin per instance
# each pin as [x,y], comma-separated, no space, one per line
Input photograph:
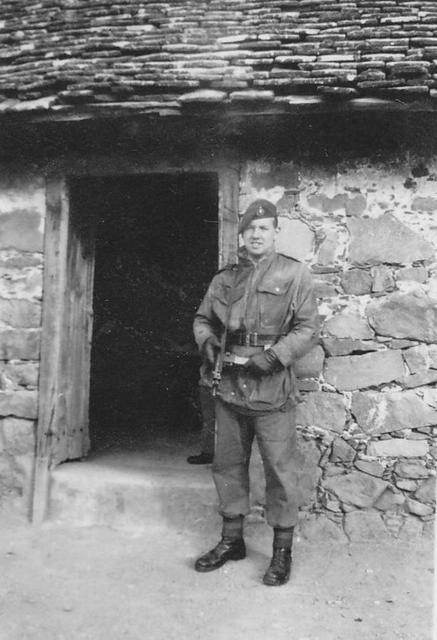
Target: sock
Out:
[232,527]
[283,537]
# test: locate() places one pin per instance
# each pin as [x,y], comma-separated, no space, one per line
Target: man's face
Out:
[259,237]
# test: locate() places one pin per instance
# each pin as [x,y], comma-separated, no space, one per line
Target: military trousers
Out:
[276,436]
[207,409]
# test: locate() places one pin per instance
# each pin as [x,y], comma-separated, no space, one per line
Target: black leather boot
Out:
[230,547]
[279,569]
[226,549]
[201,458]
[278,572]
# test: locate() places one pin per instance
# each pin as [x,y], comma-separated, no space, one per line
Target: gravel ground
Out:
[61,583]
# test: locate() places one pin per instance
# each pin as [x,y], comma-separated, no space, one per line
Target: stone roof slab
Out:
[399,39]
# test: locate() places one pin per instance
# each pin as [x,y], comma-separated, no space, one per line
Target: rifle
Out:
[218,367]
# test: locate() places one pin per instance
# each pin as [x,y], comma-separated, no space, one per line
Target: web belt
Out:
[252,339]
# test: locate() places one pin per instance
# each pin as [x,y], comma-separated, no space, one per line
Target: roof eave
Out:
[49,109]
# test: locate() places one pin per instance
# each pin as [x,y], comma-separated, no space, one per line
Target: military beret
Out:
[257,209]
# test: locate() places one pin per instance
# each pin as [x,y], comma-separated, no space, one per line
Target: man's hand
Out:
[263,363]
[210,349]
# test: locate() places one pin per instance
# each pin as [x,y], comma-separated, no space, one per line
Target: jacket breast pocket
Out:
[225,295]
[276,309]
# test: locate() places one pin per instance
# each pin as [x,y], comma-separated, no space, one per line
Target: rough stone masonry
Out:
[22,207]
[368,418]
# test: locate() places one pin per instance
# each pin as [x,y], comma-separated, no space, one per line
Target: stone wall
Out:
[368,419]
[22,207]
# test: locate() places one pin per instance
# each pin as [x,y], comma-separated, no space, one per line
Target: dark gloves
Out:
[263,363]
[210,348]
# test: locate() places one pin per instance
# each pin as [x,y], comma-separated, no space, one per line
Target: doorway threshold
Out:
[134,488]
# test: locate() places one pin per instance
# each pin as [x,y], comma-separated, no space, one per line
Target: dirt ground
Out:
[59,583]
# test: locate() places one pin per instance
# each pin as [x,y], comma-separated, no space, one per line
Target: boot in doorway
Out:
[201,458]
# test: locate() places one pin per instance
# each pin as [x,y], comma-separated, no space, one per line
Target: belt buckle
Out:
[249,339]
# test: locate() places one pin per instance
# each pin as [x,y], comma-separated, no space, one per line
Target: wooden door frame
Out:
[57,223]
[54,282]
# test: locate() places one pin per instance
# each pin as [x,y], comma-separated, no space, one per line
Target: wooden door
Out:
[228,216]
[66,338]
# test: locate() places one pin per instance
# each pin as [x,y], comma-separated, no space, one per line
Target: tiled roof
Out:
[55,53]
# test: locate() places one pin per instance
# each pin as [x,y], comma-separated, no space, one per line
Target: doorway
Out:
[77,210]
[156,249]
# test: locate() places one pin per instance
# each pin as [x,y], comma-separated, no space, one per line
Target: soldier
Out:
[256,319]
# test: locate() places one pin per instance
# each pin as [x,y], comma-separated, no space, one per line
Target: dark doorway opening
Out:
[156,238]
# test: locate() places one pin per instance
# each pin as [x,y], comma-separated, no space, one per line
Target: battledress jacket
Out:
[272,297]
